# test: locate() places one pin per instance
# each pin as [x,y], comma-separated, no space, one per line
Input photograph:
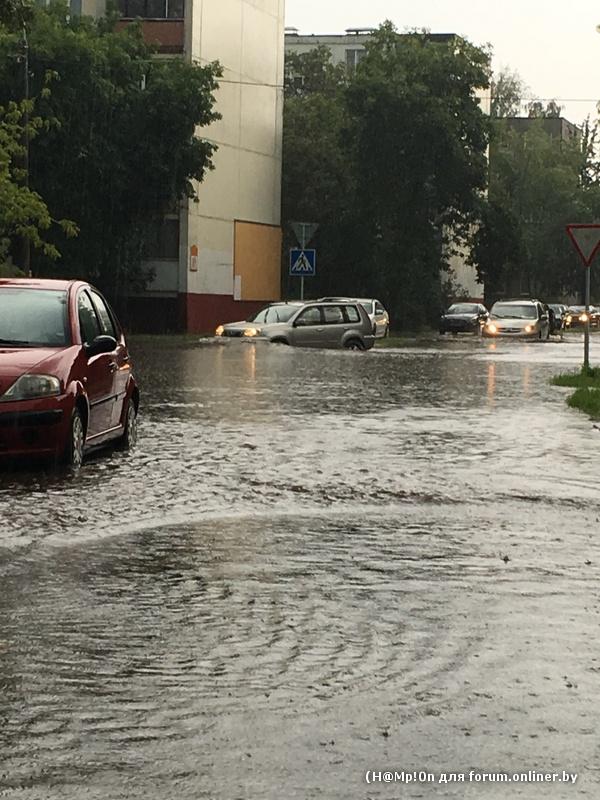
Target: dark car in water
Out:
[577,316]
[464,318]
[66,381]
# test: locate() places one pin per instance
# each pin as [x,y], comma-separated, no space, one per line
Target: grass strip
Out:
[584,379]
[586,399]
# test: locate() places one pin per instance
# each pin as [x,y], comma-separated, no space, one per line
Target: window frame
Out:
[349,321]
[304,311]
[84,293]
[95,294]
[123,6]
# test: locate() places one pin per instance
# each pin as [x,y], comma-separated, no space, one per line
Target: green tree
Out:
[421,165]
[318,178]
[507,92]
[537,110]
[23,213]
[536,188]
[122,149]
[390,160]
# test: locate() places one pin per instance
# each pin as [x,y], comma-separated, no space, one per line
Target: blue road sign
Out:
[303,262]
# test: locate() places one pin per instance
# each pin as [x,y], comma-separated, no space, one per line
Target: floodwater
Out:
[315,564]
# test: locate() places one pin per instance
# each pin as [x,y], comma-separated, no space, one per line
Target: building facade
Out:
[349,48]
[214,260]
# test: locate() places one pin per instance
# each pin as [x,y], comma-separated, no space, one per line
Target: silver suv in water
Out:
[307,324]
[377,314]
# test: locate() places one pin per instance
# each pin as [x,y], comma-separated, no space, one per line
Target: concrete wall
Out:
[246,37]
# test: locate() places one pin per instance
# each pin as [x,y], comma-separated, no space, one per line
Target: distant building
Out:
[218,259]
[349,48]
[557,127]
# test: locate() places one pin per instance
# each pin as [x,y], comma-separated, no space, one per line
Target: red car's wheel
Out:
[73,454]
[129,438]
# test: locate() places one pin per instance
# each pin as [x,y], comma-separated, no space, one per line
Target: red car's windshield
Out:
[33,317]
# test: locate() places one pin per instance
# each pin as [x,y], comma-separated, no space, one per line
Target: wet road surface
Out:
[315,564]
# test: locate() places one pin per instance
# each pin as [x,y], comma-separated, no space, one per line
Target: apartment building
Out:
[218,259]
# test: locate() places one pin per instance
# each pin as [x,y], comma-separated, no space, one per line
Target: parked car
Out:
[557,317]
[464,318]
[66,380]
[311,324]
[576,316]
[377,313]
[527,319]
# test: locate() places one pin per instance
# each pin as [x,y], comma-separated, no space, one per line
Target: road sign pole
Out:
[303,246]
[303,261]
[586,334]
[586,238]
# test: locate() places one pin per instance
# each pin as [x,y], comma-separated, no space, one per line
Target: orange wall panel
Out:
[257,261]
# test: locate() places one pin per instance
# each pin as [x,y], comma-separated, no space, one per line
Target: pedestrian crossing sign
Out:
[303,262]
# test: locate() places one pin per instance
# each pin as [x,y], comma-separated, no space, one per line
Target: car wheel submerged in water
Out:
[130,434]
[73,455]
[354,344]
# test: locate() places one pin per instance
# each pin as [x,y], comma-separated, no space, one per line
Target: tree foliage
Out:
[507,92]
[536,188]
[122,147]
[537,110]
[23,213]
[390,160]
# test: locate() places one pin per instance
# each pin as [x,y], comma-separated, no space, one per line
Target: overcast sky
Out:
[553,44]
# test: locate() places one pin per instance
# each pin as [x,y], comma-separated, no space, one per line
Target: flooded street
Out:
[315,564]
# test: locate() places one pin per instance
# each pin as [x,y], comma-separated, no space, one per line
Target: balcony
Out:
[162,22]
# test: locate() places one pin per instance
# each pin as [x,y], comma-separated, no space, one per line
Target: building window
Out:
[152,9]
[353,58]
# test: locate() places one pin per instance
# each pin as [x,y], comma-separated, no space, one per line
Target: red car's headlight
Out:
[29,387]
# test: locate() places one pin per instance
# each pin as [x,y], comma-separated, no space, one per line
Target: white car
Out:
[524,319]
[377,313]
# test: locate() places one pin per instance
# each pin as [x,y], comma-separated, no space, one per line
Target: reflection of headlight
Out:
[28,387]
[528,328]
[583,318]
[251,331]
[220,330]
[491,328]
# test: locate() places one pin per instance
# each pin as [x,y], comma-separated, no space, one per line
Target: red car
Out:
[66,381]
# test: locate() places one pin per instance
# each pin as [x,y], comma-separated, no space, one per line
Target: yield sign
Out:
[586,239]
[304,231]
